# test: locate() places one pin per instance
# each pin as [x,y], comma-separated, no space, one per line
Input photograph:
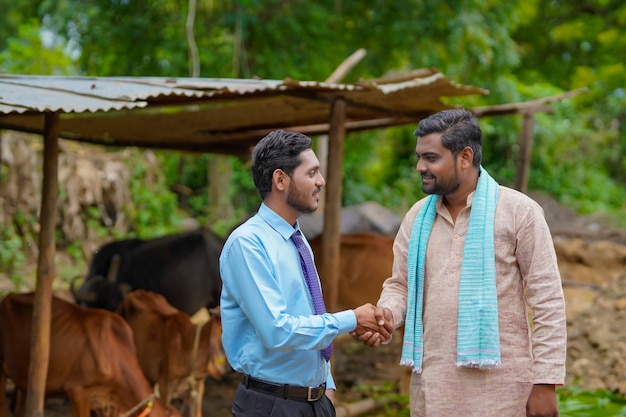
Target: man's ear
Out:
[280,180]
[467,157]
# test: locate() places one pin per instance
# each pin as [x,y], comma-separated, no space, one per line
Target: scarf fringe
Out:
[484,364]
[411,363]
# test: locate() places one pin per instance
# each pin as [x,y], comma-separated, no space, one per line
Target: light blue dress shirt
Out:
[269,328]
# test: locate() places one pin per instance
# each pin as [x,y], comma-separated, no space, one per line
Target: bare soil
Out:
[359,372]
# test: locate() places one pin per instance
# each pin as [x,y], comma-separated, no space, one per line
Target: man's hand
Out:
[376,327]
[542,401]
[330,393]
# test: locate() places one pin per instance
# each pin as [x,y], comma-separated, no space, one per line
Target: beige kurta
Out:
[527,274]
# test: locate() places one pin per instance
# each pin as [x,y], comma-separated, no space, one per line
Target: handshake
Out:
[374,325]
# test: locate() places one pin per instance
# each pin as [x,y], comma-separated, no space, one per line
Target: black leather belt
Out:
[292,392]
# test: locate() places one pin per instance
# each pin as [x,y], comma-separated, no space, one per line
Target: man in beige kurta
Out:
[525,263]
[528,285]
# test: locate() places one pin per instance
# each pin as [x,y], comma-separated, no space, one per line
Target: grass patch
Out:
[574,402]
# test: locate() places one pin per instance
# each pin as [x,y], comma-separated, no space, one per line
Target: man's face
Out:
[436,165]
[306,183]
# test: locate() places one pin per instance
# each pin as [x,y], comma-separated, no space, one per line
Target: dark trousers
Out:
[251,403]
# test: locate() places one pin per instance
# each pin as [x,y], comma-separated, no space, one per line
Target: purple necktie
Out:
[310,275]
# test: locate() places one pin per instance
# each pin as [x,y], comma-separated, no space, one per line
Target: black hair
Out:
[459,129]
[280,149]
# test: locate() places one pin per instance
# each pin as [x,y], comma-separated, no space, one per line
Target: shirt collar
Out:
[468,201]
[276,222]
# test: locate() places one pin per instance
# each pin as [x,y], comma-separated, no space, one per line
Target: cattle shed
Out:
[214,115]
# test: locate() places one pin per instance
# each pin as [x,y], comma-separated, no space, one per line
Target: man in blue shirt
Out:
[271,331]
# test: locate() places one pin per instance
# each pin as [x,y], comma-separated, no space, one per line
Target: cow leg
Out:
[165,392]
[81,404]
[18,403]
[17,397]
[196,397]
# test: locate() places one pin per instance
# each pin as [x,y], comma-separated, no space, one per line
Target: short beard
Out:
[440,189]
[444,188]
[295,200]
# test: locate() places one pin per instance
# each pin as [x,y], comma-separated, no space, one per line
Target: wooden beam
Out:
[538,105]
[332,210]
[361,407]
[40,332]
[346,66]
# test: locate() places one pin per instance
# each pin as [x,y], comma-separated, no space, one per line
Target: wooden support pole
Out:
[332,210]
[322,141]
[525,151]
[40,332]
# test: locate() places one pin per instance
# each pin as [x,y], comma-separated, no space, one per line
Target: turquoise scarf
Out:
[478,337]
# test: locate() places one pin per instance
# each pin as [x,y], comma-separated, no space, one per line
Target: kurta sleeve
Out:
[544,296]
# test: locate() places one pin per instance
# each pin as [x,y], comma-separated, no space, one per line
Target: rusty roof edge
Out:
[402,76]
[322,84]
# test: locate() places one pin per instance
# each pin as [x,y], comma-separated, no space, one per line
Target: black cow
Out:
[183,267]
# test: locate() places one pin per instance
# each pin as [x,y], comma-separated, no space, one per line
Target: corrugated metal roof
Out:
[213,114]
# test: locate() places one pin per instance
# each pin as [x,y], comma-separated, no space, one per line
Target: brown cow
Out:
[92,359]
[365,262]
[173,352]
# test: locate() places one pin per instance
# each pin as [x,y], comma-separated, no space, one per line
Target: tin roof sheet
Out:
[213,114]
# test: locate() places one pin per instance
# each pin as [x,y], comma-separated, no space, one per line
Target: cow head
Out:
[100,292]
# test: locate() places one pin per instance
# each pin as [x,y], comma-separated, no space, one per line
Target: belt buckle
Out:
[310,397]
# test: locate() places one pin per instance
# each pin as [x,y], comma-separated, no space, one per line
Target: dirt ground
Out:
[592,260]
[358,371]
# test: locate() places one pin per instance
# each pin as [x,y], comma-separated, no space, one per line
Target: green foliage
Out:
[393,404]
[574,402]
[74,270]
[518,50]
[28,53]
[245,198]
[154,211]
[381,167]
[12,254]
[14,14]
[188,173]
[122,38]
[568,162]
[580,48]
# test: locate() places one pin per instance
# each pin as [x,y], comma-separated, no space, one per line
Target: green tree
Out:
[518,50]
[583,46]
[35,51]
